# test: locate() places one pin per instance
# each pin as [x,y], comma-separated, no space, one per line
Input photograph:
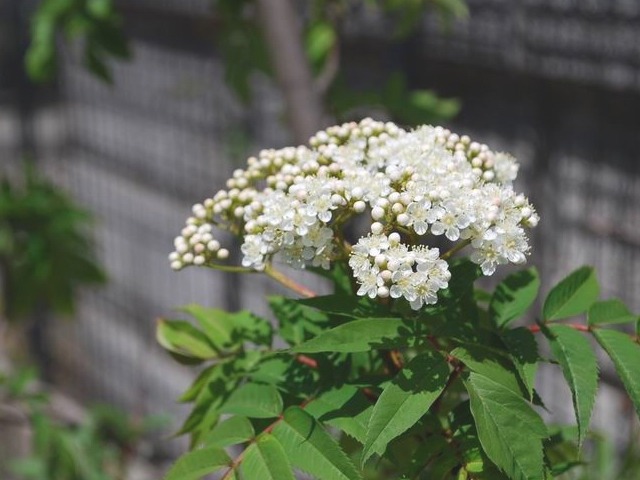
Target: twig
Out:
[288,282]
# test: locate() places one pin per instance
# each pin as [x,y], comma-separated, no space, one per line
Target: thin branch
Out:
[456,248]
[288,282]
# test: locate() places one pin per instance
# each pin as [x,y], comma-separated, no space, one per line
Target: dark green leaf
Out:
[510,431]
[514,295]
[345,408]
[572,296]
[255,401]
[609,312]
[580,369]
[405,400]
[489,362]
[347,304]
[297,322]
[232,431]
[266,460]
[194,465]
[625,354]
[311,449]
[360,336]
[523,348]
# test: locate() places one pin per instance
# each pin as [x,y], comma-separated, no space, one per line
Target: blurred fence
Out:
[555,82]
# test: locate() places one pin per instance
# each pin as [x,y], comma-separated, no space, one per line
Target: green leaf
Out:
[405,400]
[625,354]
[489,362]
[580,369]
[514,295]
[348,305]
[523,348]
[509,430]
[311,449]
[184,339]
[297,322]
[360,335]
[345,408]
[320,39]
[254,400]
[572,296]
[194,465]
[232,431]
[609,312]
[266,460]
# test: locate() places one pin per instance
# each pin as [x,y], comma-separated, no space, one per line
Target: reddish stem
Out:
[575,326]
[308,361]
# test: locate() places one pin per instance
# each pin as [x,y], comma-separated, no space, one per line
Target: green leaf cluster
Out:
[46,251]
[95,21]
[349,388]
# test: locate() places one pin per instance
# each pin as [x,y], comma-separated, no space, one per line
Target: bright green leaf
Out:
[311,449]
[580,369]
[254,400]
[360,335]
[572,296]
[320,39]
[232,431]
[514,295]
[509,430]
[198,463]
[405,400]
[347,305]
[266,460]
[625,354]
[184,339]
[609,312]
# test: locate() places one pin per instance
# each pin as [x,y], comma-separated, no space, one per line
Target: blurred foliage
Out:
[602,460]
[244,50]
[45,250]
[95,21]
[244,53]
[98,448]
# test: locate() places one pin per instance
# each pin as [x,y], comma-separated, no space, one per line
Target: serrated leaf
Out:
[509,430]
[198,384]
[610,312]
[514,295]
[572,296]
[254,400]
[184,339]
[345,408]
[311,449]
[489,362]
[297,322]
[360,335]
[580,369]
[405,400]
[232,431]
[625,354]
[194,465]
[523,348]
[266,460]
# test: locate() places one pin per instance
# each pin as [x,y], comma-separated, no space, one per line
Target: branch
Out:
[284,42]
[288,282]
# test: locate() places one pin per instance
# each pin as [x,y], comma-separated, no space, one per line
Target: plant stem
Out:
[231,268]
[288,282]
[455,249]
[575,326]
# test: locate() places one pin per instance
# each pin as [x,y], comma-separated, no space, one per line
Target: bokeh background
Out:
[555,82]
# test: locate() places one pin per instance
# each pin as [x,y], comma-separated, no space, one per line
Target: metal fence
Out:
[555,82]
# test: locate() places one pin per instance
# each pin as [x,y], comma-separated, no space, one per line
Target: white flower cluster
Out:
[292,204]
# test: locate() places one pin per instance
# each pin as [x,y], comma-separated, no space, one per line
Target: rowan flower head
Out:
[291,205]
